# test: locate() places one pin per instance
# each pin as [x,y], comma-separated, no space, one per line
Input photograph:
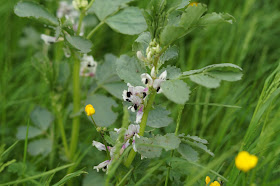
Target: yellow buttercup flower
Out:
[193,4]
[89,110]
[207,180]
[245,161]
[215,183]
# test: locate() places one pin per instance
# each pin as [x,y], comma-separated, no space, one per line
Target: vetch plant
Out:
[147,76]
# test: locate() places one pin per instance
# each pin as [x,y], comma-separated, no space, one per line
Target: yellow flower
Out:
[245,161]
[215,183]
[207,180]
[89,110]
[192,4]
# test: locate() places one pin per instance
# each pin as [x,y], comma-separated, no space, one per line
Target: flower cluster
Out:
[130,134]
[88,66]
[214,183]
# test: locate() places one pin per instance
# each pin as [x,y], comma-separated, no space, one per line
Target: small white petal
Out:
[140,55]
[48,39]
[102,165]
[98,145]
[163,75]
[139,116]
[146,79]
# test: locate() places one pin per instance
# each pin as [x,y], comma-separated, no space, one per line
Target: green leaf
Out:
[40,146]
[104,8]
[188,152]
[215,18]
[115,89]
[176,91]
[172,72]
[41,117]
[168,142]
[212,75]
[109,140]
[195,138]
[81,44]
[177,28]
[142,42]
[128,21]
[68,177]
[94,178]
[147,147]
[106,72]
[159,117]
[152,147]
[129,70]
[171,33]
[170,54]
[191,15]
[32,132]
[35,11]
[104,116]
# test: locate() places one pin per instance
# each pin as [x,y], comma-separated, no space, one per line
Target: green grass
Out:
[251,123]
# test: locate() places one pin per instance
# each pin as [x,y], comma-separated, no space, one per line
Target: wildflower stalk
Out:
[142,126]
[104,141]
[181,108]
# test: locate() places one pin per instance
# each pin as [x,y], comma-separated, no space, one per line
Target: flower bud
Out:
[140,55]
[149,56]
[98,129]
[157,48]
[104,129]
[89,110]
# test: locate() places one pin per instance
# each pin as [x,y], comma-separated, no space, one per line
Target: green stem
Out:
[89,5]
[25,143]
[76,107]
[104,141]
[80,22]
[95,29]
[181,108]
[125,177]
[142,126]
[62,133]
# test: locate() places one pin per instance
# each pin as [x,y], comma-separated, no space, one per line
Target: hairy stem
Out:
[104,141]
[142,126]
[181,108]
[76,107]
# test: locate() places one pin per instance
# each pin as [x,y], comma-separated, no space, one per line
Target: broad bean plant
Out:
[140,149]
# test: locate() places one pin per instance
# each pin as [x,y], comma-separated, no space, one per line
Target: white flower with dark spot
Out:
[156,83]
[88,66]
[103,165]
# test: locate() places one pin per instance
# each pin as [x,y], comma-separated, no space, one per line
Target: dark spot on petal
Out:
[128,94]
[158,89]
[89,65]
[144,94]
[128,100]
[146,81]
[135,107]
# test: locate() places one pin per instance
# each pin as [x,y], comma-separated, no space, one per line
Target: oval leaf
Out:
[81,44]
[35,11]
[176,91]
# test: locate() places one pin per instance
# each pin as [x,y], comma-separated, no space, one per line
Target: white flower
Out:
[48,39]
[98,145]
[148,80]
[158,81]
[88,66]
[135,95]
[104,166]
[67,10]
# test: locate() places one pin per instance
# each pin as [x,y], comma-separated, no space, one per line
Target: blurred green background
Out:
[252,42]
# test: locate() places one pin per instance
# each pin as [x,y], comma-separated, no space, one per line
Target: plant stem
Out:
[76,107]
[142,126]
[62,133]
[181,108]
[104,141]
[25,143]
[95,29]
[89,5]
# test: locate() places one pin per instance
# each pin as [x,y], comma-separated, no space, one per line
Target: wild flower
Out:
[88,66]
[207,180]
[89,110]
[193,4]
[215,183]
[68,11]
[152,81]
[245,161]
[48,39]
[130,134]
